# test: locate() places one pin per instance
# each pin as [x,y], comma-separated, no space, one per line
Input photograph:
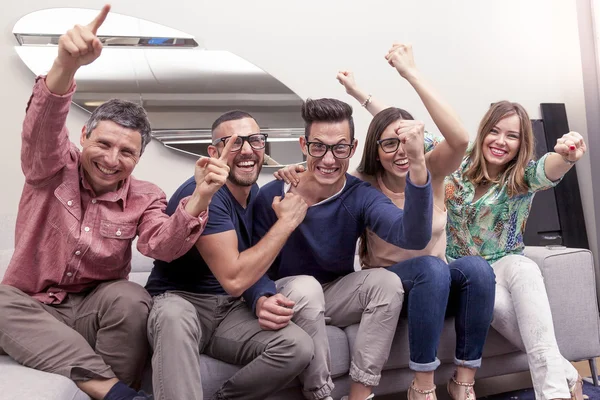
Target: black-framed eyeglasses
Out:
[257,141]
[389,145]
[339,151]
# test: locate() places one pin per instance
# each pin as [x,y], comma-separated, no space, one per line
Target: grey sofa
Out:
[570,282]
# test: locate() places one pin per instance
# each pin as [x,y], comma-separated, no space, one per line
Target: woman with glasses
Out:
[468,283]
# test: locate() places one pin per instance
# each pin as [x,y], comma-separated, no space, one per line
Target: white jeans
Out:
[522,315]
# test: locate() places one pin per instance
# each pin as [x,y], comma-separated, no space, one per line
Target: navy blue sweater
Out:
[324,244]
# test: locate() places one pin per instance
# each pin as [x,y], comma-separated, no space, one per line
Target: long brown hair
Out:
[369,163]
[514,170]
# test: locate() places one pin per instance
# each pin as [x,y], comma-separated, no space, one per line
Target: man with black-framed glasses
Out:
[341,207]
[197,306]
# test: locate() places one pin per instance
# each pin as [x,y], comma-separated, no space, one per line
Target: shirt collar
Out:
[119,194]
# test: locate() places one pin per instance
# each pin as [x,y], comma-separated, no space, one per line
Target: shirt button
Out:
[187,239]
[77,253]
[50,294]
[94,201]
[69,274]
[118,233]
[69,203]
[87,229]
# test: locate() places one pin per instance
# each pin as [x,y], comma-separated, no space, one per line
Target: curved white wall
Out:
[475,53]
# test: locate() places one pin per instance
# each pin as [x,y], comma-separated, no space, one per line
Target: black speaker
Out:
[562,203]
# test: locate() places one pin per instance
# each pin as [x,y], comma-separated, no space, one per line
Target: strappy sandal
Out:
[468,388]
[429,393]
[574,390]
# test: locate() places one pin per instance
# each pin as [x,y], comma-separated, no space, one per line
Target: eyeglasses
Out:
[389,145]
[339,151]
[257,141]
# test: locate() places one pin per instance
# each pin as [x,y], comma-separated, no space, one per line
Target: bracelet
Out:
[565,159]
[367,101]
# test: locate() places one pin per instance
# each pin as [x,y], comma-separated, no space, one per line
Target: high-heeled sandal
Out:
[468,388]
[429,393]
[574,389]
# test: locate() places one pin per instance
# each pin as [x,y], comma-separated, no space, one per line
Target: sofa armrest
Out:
[571,286]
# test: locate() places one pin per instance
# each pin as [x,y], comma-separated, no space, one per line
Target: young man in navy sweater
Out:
[197,308]
[341,207]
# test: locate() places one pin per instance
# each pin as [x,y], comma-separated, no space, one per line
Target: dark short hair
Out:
[232,115]
[369,164]
[326,110]
[124,113]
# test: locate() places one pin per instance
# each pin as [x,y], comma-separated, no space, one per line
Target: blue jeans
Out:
[464,288]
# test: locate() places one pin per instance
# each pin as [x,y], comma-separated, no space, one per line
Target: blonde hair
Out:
[514,170]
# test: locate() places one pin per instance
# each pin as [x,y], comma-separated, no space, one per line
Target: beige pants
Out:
[370,297]
[182,325]
[101,334]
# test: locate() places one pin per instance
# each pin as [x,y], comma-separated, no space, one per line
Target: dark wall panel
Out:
[567,194]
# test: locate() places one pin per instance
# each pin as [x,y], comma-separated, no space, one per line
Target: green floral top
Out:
[492,226]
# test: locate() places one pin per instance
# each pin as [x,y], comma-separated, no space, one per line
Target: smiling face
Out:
[501,144]
[394,163]
[245,164]
[328,170]
[109,155]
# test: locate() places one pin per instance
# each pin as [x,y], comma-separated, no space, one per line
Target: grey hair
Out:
[122,112]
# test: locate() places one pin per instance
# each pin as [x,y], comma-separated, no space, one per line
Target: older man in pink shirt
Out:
[65,304]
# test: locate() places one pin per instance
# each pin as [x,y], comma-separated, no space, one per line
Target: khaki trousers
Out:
[371,297]
[183,325]
[100,334]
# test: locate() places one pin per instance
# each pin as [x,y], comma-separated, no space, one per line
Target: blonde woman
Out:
[488,200]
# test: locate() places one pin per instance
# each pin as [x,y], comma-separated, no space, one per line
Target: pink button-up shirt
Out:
[68,240]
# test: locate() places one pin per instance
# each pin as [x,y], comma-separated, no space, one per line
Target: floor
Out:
[491,386]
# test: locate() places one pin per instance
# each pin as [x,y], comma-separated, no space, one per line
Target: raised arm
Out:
[169,237]
[568,150]
[45,139]
[409,228]
[238,271]
[447,156]
[346,79]
[79,46]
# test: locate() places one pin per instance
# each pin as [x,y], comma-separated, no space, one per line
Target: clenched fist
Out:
[400,56]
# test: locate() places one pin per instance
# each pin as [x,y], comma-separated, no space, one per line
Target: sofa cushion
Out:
[399,354]
[19,382]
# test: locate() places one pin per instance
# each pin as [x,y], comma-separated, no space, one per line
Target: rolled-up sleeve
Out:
[166,237]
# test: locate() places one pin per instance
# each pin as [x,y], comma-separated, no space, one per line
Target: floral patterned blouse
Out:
[492,226]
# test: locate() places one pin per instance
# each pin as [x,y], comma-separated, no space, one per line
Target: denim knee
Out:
[476,271]
[435,272]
